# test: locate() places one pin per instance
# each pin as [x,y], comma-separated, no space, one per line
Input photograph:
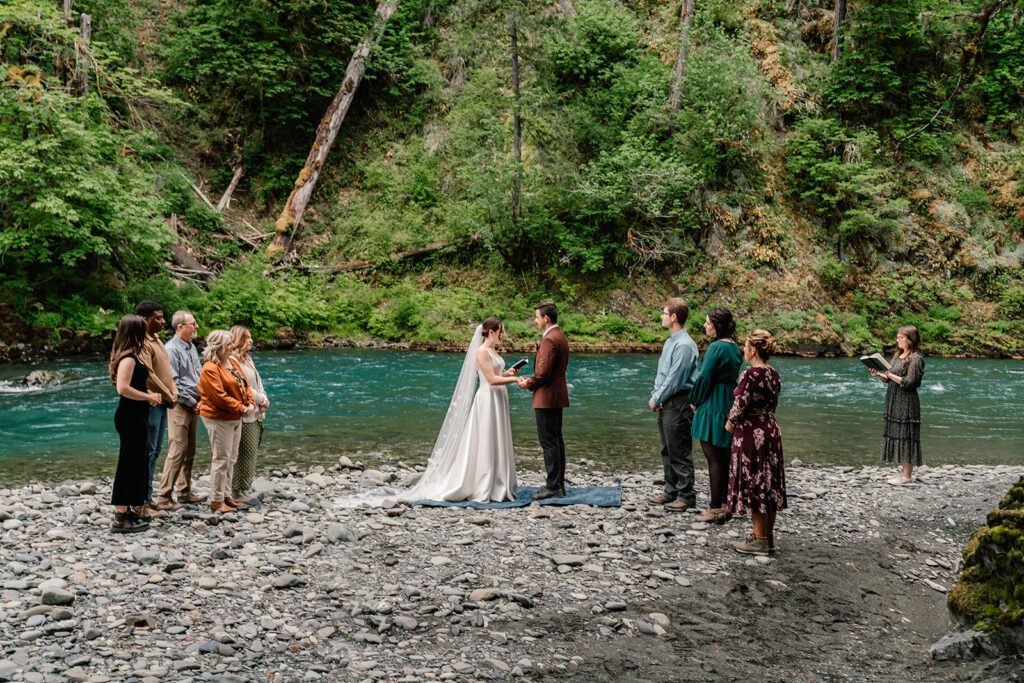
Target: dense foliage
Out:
[79,201]
[888,180]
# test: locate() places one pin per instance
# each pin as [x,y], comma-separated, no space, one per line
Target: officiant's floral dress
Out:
[901,440]
[757,478]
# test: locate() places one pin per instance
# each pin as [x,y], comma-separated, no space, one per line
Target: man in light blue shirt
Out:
[183,417]
[677,371]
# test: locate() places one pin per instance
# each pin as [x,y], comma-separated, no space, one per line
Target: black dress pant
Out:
[674,422]
[549,433]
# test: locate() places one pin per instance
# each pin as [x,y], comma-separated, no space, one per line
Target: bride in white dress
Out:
[472,457]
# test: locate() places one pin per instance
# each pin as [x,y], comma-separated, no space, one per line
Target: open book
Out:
[876,361]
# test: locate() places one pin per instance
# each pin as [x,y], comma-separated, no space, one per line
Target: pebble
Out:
[57,596]
[302,590]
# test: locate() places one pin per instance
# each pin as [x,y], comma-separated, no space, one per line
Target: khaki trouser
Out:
[224,438]
[181,452]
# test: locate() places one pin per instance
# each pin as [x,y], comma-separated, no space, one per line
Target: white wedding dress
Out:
[473,457]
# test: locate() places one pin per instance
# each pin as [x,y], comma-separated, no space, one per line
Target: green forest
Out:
[828,169]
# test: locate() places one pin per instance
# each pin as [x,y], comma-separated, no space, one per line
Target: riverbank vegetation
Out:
[828,184]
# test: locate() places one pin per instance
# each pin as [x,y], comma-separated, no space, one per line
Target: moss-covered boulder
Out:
[989,597]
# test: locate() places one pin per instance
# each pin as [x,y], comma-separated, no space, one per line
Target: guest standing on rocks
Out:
[677,371]
[901,437]
[128,374]
[252,426]
[154,356]
[712,397]
[757,477]
[224,399]
[183,416]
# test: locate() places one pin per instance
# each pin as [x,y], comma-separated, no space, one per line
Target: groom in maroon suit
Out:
[550,395]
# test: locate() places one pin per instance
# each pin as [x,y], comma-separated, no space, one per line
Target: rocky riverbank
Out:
[296,590]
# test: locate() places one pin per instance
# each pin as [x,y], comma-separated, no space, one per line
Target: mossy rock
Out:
[990,593]
[1012,520]
[972,545]
[972,596]
[1014,498]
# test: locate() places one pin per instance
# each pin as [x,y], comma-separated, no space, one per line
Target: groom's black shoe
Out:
[544,492]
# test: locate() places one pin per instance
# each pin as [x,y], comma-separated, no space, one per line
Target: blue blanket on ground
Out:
[598,496]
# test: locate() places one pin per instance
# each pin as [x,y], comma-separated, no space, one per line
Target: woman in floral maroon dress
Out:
[757,479]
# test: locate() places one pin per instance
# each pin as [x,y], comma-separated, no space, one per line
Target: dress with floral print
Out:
[757,477]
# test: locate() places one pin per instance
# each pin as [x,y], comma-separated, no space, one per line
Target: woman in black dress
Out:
[129,375]
[901,438]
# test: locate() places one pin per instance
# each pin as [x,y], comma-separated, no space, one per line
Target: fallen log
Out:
[188,262]
[291,216]
[402,255]
[225,199]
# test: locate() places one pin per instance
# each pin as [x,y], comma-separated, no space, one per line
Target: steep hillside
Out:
[830,189]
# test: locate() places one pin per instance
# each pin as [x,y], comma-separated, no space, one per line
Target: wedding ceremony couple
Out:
[473,458]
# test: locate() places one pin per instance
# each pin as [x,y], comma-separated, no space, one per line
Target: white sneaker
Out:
[898,481]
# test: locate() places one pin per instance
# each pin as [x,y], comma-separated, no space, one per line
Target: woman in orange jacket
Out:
[224,399]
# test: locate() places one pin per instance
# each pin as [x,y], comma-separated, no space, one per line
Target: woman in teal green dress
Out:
[712,398]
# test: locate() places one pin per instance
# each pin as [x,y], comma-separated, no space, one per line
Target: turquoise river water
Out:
[388,405]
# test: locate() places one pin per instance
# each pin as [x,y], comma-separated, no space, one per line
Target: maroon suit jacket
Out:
[548,381]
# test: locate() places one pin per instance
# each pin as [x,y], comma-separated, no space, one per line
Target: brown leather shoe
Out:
[709,515]
[677,506]
[233,503]
[662,499]
[753,546]
[190,498]
[221,506]
[154,512]
[166,505]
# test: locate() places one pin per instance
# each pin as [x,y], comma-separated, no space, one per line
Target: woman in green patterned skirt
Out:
[252,426]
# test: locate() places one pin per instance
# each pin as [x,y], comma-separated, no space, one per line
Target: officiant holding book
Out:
[901,437]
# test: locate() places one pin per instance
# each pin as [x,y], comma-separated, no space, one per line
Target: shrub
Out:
[831,272]
[602,36]
[1011,301]
[722,112]
[837,174]
[790,320]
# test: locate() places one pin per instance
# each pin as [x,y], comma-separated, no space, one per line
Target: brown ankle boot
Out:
[753,546]
[709,515]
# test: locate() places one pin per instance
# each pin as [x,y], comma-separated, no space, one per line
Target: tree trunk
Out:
[838,20]
[291,216]
[517,133]
[675,95]
[81,58]
[225,198]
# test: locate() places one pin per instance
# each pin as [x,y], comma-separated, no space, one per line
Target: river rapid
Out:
[387,405]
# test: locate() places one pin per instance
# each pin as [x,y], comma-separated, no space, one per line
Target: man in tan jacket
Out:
[154,357]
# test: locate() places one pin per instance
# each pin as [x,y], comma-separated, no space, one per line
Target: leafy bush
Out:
[1000,82]
[855,330]
[836,174]
[1011,301]
[592,44]
[791,321]
[75,201]
[975,200]
[948,314]
[722,119]
[831,272]
[892,63]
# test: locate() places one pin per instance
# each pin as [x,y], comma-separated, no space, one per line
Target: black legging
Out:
[718,469]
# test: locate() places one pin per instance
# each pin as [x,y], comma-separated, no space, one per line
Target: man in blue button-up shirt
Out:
[183,418]
[677,371]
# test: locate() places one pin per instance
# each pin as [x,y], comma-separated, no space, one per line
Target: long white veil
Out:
[446,445]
